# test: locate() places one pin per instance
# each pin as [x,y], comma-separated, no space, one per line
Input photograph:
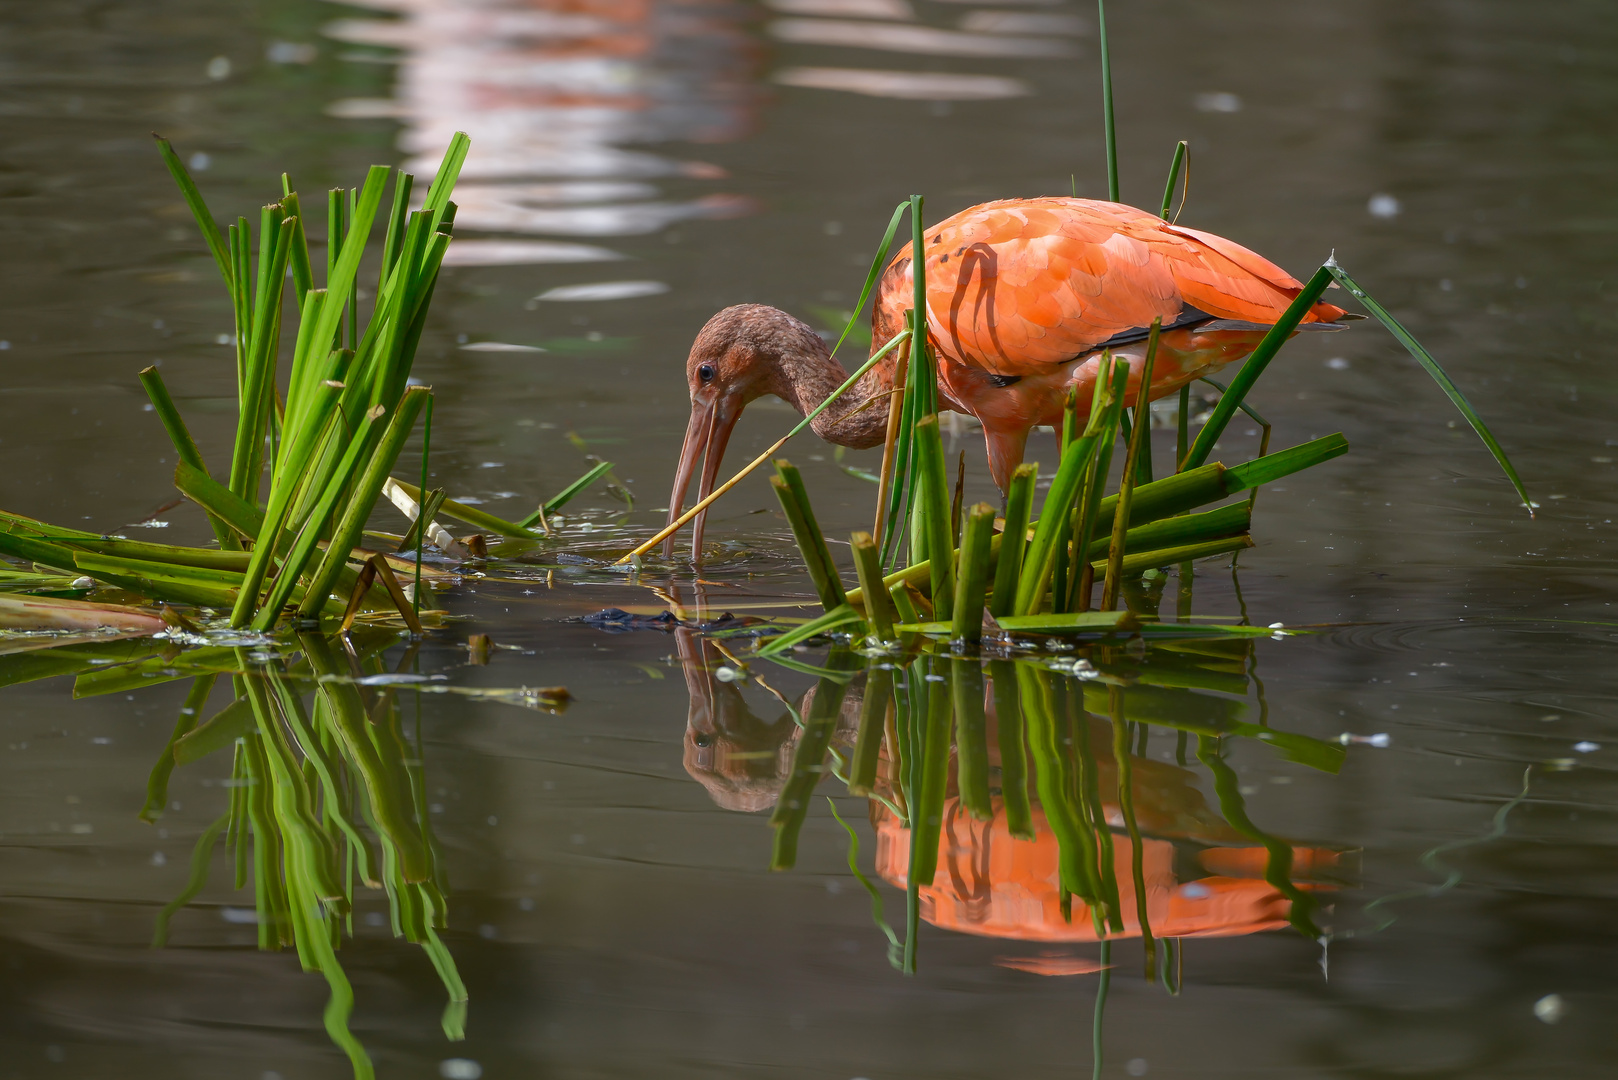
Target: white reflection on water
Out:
[558,91]
[913,85]
[981,34]
[855,9]
[900,37]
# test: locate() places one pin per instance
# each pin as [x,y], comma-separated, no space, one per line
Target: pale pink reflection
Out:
[562,98]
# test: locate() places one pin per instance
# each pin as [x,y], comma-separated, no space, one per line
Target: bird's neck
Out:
[858,418]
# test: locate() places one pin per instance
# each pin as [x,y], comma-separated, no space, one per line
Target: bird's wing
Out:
[1017,285]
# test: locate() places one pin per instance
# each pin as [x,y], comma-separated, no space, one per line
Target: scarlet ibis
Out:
[1023,295]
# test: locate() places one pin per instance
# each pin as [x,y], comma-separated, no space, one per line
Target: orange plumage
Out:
[1030,289]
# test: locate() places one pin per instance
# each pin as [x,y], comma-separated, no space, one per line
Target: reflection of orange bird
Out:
[1022,297]
[993,884]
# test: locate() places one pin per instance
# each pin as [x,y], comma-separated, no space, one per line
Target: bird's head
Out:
[743,353]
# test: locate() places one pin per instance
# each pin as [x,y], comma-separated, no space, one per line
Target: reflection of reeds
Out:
[314,780]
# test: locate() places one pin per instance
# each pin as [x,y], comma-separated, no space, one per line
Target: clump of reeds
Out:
[307,468]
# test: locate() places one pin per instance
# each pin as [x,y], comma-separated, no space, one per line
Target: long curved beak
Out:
[705,436]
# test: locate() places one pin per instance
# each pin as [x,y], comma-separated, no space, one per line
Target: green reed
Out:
[327,448]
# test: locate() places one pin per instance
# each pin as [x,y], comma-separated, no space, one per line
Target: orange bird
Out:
[1023,295]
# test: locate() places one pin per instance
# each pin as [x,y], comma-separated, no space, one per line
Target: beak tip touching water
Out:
[706,435]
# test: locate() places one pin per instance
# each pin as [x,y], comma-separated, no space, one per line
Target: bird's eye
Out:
[705,372]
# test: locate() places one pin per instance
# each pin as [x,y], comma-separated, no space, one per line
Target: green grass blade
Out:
[567,494]
[1040,559]
[205,558]
[341,279]
[874,595]
[1147,560]
[1254,367]
[184,446]
[1178,531]
[449,171]
[1106,103]
[199,210]
[788,484]
[1440,376]
[258,386]
[1174,178]
[1272,467]
[1014,538]
[875,272]
[972,576]
[397,218]
[831,620]
[219,501]
[932,511]
[303,278]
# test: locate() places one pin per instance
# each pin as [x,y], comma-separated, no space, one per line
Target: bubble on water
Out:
[199,162]
[219,68]
[1136,1067]
[729,674]
[1338,363]
[1380,740]
[1383,205]
[159,859]
[1586,747]
[459,1069]
[1550,1009]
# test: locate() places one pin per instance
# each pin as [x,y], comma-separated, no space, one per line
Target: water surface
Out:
[608,915]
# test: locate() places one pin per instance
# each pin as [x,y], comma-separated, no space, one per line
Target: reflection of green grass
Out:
[316,782]
[922,710]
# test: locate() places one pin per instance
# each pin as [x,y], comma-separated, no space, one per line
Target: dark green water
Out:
[608,917]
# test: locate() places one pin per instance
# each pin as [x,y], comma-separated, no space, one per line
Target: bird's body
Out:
[1023,297]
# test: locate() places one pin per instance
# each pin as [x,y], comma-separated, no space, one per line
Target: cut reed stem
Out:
[867,564]
[788,484]
[972,576]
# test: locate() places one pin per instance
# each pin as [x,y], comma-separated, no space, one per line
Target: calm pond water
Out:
[606,870]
